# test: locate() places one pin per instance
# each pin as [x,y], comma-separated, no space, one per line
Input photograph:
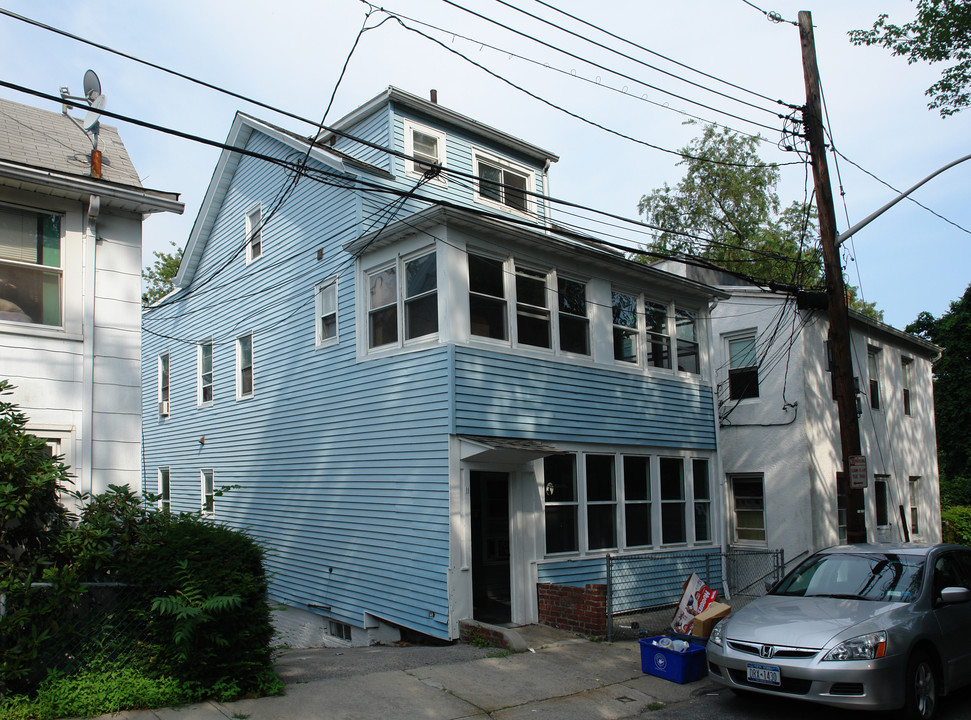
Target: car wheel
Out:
[921,700]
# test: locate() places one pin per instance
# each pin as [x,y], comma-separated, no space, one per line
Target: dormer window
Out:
[502,183]
[425,148]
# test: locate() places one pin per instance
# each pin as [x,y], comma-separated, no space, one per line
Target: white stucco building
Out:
[779,430]
[70,286]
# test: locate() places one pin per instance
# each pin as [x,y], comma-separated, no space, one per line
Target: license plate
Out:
[763,674]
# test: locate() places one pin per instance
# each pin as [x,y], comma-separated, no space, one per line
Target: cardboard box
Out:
[679,667]
[695,599]
[706,619]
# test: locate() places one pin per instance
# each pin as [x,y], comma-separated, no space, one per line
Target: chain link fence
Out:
[106,623]
[643,591]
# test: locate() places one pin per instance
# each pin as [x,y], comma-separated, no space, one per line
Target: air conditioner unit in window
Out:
[163,407]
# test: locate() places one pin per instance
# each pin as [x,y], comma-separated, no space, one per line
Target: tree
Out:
[941,33]
[952,394]
[726,210]
[160,276]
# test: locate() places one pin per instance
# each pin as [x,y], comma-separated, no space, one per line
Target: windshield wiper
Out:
[839,596]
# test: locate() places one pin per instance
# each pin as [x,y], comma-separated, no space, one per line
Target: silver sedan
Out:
[876,627]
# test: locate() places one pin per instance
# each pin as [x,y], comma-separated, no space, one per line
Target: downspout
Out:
[546,192]
[89,245]
[719,469]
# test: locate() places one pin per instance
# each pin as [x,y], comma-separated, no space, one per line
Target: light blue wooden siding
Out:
[637,581]
[508,395]
[375,129]
[342,466]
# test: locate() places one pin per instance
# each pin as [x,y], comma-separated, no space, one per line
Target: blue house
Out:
[428,399]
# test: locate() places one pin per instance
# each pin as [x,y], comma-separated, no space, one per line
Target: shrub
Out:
[956,524]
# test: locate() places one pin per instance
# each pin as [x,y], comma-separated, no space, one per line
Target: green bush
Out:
[956,524]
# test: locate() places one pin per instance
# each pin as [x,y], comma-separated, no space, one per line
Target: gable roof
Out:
[239,134]
[43,151]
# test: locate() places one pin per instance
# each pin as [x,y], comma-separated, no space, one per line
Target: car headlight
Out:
[716,634]
[864,647]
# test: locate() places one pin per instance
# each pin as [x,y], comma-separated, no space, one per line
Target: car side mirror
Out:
[955,595]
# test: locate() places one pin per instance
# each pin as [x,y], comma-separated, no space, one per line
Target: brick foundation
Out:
[581,610]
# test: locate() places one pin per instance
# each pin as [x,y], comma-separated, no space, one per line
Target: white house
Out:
[778,424]
[70,283]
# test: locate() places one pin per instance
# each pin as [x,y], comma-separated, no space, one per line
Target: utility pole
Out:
[839,324]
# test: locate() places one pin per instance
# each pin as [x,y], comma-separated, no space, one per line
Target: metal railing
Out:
[643,591]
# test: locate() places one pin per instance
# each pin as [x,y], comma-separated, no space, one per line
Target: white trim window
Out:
[914,486]
[906,373]
[686,323]
[163,375]
[31,272]
[244,366]
[325,306]
[487,297]
[425,148]
[626,330]
[748,509]
[207,480]
[600,502]
[254,233]
[164,489]
[204,377]
[572,318]
[533,316]
[702,500]
[743,368]
[411,303]
[658,335]
[503,184]
[873,372]
[642,332]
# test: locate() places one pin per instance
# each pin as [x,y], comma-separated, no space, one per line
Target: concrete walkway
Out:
[560,676]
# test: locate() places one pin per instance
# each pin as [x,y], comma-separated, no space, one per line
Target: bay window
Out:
[412,303]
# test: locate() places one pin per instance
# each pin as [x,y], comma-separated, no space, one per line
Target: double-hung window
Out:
[412,303]
[572,316]
[502,184]
[325,306]
[914,486]
[601,494]
[244,367]
[163,373]
[906,371]
[254,234]
[164,489]
[637,501]
[487,297]
[743,373]
[532,308]
[748,497]
[881,499]
[673,521]
[702,500]
[204,373]
[873,370]
[562,507]
[208,491]
[687,329]
[31,276]
[425,148]
[658,335]
[626,334]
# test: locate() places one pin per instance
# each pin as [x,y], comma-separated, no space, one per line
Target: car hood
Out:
[808,622]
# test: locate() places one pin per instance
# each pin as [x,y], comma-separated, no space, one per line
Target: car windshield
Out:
[857,576]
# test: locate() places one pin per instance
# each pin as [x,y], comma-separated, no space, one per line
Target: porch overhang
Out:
[504,451]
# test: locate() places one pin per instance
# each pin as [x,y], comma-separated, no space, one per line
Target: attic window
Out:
[502,185]
[425,149]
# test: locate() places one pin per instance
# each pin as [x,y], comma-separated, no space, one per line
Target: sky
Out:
[289,55]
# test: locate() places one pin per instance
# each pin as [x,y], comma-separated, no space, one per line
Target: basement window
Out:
[340,630]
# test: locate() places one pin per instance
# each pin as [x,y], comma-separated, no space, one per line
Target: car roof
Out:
[917,549]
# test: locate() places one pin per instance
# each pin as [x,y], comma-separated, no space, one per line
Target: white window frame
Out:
[163,381]
[620,502]
[581,319]
[644,337]
[884,482]
[505,166]
[913,485]
[702,503]
[201,374]
[401,302]
[873,376]
[694,314]
[13,312]
[325,288]
[254,233]
[907,379]
[741,336]
[207,479]
[504,270]
[748,542]
[164,487]
[240,339]
[415,168]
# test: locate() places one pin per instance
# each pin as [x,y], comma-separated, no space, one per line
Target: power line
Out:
[772,16]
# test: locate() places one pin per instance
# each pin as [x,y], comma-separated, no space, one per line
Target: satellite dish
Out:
[92,86]
[94,115]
